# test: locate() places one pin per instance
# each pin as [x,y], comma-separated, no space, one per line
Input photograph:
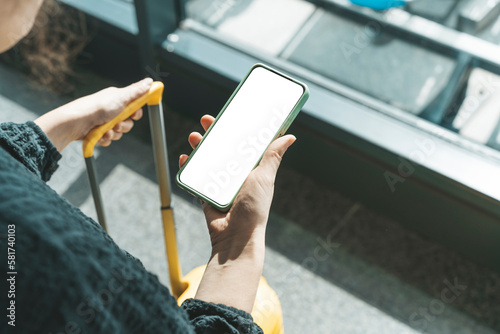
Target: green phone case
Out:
[286,124]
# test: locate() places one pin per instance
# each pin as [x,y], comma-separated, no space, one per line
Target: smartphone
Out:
[261,108]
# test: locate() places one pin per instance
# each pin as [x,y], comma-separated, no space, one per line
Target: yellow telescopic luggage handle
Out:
[153,99]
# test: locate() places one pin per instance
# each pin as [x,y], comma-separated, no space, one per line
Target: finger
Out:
[135,90]
[124,126]
[104,142]
[182,160]
[274,154]
[194,139]
[206,121]
[137,115]
[117,135]
[106,138]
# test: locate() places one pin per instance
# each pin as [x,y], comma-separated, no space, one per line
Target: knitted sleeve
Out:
[29,145]
[218,318]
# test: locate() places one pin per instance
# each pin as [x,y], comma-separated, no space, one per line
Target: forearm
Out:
[233,273]
[63,125]
[75,120]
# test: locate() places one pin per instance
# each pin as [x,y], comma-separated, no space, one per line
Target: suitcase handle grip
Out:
[153,97]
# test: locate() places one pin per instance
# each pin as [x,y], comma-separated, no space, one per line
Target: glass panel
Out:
[373,62]
[262,24]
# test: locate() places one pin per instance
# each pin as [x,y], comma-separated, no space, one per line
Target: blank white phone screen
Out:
[239,138]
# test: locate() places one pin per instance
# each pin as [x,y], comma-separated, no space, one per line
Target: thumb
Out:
[136,90]
[274,154]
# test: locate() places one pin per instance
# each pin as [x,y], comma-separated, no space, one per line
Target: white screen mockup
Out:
[239,138]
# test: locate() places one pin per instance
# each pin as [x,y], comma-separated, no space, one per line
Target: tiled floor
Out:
[336,266]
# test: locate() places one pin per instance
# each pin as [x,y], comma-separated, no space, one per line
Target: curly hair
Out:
[58,35]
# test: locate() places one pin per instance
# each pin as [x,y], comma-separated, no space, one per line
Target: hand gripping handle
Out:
[153,97]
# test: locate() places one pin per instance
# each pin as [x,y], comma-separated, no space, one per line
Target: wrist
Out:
[250,246]
[233,273]
[66,124]
[82,118]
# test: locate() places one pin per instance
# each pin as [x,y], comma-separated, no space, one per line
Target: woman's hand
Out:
[251,207]
[238,236]
[76,119]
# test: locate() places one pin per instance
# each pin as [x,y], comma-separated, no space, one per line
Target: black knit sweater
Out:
[71,276]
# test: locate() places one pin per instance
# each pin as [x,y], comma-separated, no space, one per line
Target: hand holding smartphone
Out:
[262,108]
